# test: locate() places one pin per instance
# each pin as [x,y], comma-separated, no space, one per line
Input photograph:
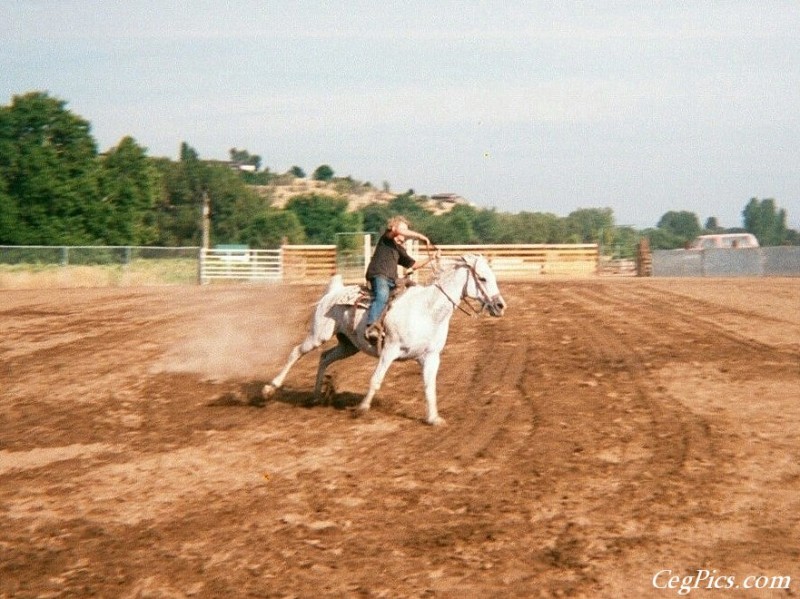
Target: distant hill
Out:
[357,194]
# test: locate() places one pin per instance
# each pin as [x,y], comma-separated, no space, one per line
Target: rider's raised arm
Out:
[418,236]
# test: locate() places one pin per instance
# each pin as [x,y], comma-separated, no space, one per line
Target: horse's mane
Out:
[450,263]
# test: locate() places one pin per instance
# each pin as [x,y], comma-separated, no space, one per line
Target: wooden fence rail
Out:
[308,263]
[526,261]
[317,263]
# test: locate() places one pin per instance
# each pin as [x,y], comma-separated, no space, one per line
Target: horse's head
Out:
[482,285]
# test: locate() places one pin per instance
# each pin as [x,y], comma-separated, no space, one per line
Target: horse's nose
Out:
[499,304]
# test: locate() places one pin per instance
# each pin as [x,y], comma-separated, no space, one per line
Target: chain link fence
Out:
[77,266]
[722,262]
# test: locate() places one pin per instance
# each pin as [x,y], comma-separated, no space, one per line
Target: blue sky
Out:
[642,107]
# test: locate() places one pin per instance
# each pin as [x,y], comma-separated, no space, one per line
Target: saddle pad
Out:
[352,295]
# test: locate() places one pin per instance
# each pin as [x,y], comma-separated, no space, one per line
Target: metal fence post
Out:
[367,251]
[200,256]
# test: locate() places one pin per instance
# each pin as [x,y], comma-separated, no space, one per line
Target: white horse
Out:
[415,326]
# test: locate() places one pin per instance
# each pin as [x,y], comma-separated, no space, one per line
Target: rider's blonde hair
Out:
[395,221]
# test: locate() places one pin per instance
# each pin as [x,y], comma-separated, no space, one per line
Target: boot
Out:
[373,334]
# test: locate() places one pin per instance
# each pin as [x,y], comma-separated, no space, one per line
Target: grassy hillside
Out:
[358,194]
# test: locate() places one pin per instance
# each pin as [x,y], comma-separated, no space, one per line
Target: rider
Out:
[382,269]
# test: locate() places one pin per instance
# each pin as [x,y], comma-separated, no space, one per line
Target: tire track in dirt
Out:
[604,422]
[691,508]
[566,469]
[498,418]
[679,430]
[467,468]
[688,449]
[700,320]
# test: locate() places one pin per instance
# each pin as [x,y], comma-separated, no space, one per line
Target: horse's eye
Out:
[482,279]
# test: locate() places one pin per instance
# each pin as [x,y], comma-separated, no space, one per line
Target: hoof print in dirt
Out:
[256,401]
[247,395]
[229,399]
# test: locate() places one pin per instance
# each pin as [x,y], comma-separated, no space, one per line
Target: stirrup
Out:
[373,334]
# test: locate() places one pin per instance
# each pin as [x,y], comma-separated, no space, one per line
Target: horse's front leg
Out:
[430,369]
[388,355]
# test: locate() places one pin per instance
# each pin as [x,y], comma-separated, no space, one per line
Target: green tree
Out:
[297,172]
[534,227]
[49,170]
[323,173]
[765,221]
[233,203]
[454,227]
[680,227]
[587,225]
[245,157]
[129,184]
[488,226]
[271,229]
[10,232]
[323,216]
[663,239]
[712,225]
[620,242]
[179,210]
[186,182]
[406,204]
[9,220]
[374,217]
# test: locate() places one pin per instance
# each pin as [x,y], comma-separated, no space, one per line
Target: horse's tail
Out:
[335,284]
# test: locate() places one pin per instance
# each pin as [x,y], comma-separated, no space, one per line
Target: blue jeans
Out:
[381,288]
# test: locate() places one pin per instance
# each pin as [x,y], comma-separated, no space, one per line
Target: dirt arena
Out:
[606,438]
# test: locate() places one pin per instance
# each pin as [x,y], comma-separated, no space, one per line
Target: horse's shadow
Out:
[249,395]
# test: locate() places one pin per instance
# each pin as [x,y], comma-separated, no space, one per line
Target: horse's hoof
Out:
[359,411]
[438,421]
[268,391]
[327,391]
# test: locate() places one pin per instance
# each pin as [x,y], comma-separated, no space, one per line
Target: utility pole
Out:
[206,220]
[205,226]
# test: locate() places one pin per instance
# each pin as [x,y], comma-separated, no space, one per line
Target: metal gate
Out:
[240,262]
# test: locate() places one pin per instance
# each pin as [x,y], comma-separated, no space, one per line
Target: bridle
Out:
[485,299]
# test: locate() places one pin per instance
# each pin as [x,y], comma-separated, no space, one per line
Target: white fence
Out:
[241,264]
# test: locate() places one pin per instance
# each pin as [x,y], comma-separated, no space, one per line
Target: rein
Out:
[478,283]
[457,305]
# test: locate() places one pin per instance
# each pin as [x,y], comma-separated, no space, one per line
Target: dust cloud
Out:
[229,346]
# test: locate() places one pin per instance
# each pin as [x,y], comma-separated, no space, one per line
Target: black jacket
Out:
[386,257]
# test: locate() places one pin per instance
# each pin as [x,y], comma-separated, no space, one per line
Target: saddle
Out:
[361,297]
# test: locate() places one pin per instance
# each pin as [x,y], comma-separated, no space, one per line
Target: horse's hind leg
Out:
[322,329]
[309,344]
[343,350]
